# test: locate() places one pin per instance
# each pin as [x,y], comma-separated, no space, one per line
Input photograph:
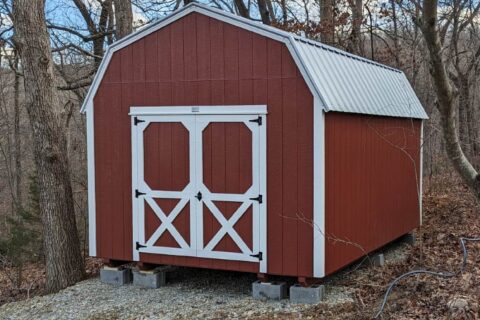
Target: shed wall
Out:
[198,60]
[372,171]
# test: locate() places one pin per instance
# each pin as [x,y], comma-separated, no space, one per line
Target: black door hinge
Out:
[136,121]
[258,255]
[259,198]
[138,193]
[138,246]
[258,120]
[199,196]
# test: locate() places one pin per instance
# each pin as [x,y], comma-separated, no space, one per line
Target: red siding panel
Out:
[215,64]
[371,186]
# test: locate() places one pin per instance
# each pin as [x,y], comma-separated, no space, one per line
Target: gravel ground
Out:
[189,294]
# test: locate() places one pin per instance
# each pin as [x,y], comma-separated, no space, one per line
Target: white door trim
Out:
[211,110]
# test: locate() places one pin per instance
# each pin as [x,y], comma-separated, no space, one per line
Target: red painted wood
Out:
[139,65]
[217,48]
[151,57]
[290,210]
[177,46]
[203,47]
[304,177]
[371,193]
[275,177]
[190,47]
[227,66]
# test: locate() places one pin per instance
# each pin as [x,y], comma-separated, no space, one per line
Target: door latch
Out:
[199,196]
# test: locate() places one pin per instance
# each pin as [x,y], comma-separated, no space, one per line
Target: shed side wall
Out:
[201,61]
[372,173]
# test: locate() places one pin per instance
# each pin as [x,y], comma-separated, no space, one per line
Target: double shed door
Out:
[198,177]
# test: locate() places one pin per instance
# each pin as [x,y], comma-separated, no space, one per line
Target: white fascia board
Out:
[261,29]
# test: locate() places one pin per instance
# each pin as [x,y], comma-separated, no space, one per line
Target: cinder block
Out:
[149,279]
[310,295]
[115,276]
[378,260]
[410,239]
[269,290]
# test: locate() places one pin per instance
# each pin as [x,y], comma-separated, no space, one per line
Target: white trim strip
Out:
[318,191]
[420,191]
[92,217]
[135,205]
[194,110]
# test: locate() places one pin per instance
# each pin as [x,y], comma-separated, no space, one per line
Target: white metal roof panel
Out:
[342,81]
[349,83]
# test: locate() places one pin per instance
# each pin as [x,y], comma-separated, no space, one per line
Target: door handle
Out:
[199,196]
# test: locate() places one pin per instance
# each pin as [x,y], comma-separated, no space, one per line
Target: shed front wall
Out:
[198,60]
[372,175]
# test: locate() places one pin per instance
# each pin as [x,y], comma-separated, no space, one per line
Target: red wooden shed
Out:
[218,142]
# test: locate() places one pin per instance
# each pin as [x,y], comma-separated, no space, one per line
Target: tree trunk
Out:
[395,33]
[123,18]
[242,9]
[327,21]
[445,97]
[463,115]
[357,18]
[264,14]
[64,263]
[17,143]
[273,19]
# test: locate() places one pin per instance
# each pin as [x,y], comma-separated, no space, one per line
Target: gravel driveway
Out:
[189,294]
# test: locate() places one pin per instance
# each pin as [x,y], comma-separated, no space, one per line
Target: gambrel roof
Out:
[339,81]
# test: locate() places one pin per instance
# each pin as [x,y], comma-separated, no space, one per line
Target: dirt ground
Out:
[355,293]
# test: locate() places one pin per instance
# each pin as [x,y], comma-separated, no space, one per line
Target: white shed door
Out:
[197,185]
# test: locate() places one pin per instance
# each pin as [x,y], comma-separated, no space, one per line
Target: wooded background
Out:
[43,136]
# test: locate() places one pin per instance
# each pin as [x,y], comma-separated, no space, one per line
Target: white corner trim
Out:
[258,28]
[193,110]
[318,191]
[420,189]
[92,223]
[263,220]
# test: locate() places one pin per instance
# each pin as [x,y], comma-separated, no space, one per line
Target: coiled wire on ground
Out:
[444,274]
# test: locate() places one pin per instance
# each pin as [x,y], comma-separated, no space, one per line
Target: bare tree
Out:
[242,8]
[264,13]
[327,21]
[123,18]
[64,264]
[445,104]
[357,18]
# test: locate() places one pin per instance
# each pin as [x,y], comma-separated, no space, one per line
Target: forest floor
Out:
[450,211]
